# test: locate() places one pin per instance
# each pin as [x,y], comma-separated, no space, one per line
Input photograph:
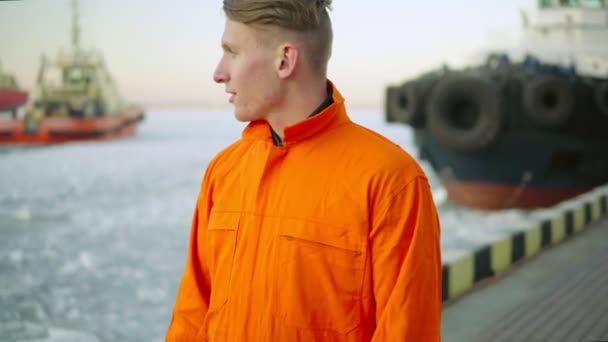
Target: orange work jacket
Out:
[332,237]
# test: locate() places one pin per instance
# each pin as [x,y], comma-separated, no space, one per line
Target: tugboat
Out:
[11,96]
[521,129]
[74,99]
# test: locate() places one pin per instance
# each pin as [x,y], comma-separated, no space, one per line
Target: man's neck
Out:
[300,102]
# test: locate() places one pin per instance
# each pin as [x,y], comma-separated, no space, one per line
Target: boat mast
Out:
[75,26]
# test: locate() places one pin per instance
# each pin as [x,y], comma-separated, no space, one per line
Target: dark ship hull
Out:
[504,135]
[522,170]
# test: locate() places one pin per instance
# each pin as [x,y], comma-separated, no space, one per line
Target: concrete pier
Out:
[560,294]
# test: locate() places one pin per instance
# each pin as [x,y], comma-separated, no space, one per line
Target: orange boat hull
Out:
[57,130]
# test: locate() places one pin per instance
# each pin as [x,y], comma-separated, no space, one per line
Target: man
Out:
[310,227]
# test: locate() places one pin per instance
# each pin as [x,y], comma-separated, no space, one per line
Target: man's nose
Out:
[219,75]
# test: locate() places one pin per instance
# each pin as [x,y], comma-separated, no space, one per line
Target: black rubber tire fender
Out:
[601,98]
[391,102]
[548,100]
[464,112]
[405,104]
[411,104]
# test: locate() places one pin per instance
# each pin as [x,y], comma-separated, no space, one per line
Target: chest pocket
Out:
[221,243]
[320,276]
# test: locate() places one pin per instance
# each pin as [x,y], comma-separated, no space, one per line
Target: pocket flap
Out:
[224,221]
[347,238]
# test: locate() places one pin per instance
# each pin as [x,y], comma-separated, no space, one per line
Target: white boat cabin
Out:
[570,32]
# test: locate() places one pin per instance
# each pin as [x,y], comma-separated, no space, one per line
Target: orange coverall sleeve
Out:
[406,266]
[193,295]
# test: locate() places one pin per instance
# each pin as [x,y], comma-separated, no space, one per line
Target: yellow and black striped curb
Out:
[494,258]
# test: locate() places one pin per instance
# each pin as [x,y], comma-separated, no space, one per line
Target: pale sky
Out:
[165,51]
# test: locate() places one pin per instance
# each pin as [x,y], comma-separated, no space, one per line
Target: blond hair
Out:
[308,18]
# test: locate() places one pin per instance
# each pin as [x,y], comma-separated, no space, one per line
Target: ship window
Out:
[73,75]
[592,3]
[575,3]
[546,3]
[568,3]
[76,79]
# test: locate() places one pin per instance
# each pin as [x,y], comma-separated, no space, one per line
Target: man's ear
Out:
[288,59]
